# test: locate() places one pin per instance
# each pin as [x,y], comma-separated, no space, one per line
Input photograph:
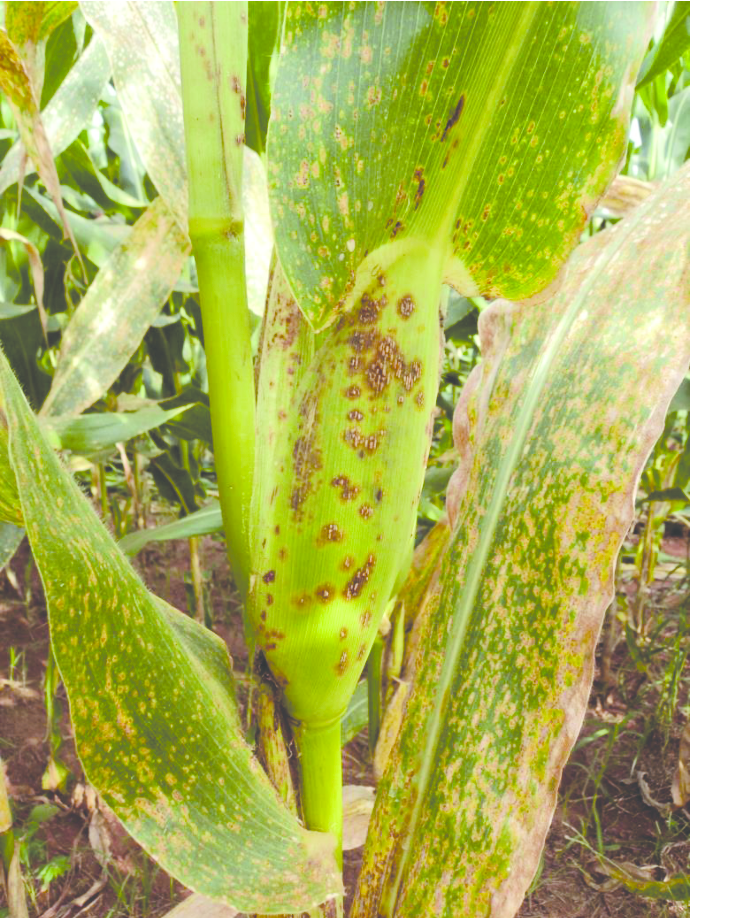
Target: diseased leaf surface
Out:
[153,707]
[560,419]
[69,111]
[487,129]
[111,320]
[141,41]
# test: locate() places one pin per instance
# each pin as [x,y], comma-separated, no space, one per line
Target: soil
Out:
[601,805]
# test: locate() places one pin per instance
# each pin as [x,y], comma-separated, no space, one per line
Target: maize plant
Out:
[412,147]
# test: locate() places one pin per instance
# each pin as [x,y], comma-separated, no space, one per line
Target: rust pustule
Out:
[331,532]
[269,577]
[406,306]
[325,593]
[342,666]
[348,490]
[368,312]
[359,579]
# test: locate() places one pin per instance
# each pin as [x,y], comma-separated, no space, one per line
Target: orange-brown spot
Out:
[331,532]
[361,651]
[355,415]
[343,633]
[368,312]
[347,490]
[366,511]
[360,578]
[348,562]
[342,663]
[352,392]
[325,593]
[406,306]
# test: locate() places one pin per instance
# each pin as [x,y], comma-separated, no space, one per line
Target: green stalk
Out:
[213,52]
[321,776]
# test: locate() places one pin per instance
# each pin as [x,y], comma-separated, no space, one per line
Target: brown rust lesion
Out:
[325,593]
[307,458]
[406,306]
[453,118]
[348,490]
[360,578]
[330,532]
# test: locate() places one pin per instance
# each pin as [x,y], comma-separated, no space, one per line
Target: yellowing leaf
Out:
[153,706]
[575,396]
[486,130]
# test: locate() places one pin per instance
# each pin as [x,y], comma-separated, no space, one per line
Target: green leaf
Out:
[677,144]
[10,536]
[61,53]
[356,717]
[90,433]
[96,238]
[393,123]
[13,310]
[22,339]
[202,522]
[265,22]
[555,426]
[671,47]
[76,162]
[141,41]
[19,84]
[152,705]
[175,483]
[676,495]
[193,424]
[111,320]
[33,22]
[639,880]
[681,399]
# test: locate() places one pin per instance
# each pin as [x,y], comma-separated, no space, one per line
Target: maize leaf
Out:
[68,112]
[152,704]
[574,397]
[488,130]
